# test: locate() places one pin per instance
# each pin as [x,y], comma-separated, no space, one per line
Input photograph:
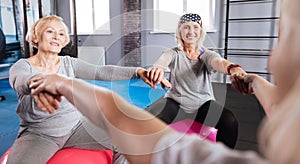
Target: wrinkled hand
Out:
[155,75]
[49,83]
[237,81]
[239,85]
[45,92]
[249,78]
[47,102]
[243,84]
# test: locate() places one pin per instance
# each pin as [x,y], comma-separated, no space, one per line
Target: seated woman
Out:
[191,95]
[44,133]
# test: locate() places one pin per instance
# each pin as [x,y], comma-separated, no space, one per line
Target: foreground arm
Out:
[140,136]
[264,91]
[133,131]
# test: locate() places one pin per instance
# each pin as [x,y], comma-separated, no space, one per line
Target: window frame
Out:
[172,17]
[95,30]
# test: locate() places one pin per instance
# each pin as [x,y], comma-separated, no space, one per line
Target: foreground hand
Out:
[47,102]
[237,81]
[49,83]
[249,78]
[239,85]
[45,92]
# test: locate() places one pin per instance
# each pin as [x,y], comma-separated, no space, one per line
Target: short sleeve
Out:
[207,56]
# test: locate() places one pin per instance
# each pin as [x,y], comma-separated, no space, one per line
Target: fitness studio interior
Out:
[134,33]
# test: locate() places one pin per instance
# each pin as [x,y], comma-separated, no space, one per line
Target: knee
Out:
[229,120]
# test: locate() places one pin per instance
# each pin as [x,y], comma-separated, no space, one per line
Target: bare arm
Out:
[221,65]
[264,91]
[133,131]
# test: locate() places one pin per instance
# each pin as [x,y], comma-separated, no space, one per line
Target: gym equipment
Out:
[75,156]
[189,126]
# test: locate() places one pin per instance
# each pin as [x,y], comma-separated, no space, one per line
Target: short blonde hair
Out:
[36,30]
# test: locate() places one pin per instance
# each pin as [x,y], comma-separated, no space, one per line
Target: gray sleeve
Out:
[19,74]
[181,148]
[89,71]
[207,56]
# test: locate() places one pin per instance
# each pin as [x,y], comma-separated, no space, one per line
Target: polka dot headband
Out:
[190,17]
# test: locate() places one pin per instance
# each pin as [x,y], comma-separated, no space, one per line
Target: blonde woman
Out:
[44,129]
[192,94]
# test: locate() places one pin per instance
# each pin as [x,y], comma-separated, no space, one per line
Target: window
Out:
[12,25]
[7,20]
[33,10]
[166,16]
[92,16]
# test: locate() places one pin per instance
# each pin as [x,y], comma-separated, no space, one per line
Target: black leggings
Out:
[209,114]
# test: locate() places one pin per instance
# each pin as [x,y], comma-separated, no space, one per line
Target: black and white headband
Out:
[190,17]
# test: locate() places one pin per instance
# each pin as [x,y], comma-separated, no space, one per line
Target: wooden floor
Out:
[247,110]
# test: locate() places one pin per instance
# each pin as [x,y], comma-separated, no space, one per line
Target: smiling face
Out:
[48,34]
[190,32]
[53,37]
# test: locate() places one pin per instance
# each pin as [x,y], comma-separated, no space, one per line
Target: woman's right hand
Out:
[156,76]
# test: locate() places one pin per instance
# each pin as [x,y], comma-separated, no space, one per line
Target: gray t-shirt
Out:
[192,149]
[189,89]
[66,117]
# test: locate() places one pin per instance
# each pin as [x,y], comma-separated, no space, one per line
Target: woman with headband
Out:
[191,95]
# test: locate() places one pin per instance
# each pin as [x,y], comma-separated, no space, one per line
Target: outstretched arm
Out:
[235,71]
[133,131]
[265,91]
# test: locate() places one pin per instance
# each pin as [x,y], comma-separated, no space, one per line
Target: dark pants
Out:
[210,114]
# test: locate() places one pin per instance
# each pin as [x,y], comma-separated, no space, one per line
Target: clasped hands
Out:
[243,83]
[45,91]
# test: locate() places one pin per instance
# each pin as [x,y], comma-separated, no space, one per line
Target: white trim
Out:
[169,22]
[103,28]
